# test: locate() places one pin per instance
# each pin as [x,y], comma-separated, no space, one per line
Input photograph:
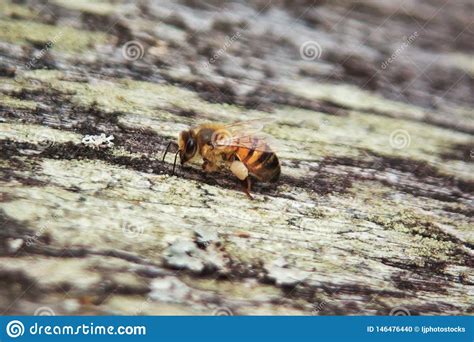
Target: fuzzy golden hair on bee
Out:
[235,147]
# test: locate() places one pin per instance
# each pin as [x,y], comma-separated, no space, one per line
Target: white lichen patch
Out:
[98,141]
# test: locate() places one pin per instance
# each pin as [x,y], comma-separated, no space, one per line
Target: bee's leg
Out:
[248,188]
[208,166]
[229,157]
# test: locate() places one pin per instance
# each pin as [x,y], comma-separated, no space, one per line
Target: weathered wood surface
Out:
[374,210]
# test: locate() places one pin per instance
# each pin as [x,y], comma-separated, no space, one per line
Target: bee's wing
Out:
[247,134]
[253,126]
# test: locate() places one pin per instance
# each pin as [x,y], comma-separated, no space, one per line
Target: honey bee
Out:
[238,147]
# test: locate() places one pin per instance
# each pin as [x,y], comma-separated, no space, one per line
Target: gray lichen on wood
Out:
[374,207]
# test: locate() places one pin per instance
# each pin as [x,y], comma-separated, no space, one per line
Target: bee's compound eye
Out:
[190,147]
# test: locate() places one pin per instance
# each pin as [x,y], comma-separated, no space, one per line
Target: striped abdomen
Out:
[260,160]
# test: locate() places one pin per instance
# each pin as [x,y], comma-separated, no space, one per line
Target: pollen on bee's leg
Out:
[239,169]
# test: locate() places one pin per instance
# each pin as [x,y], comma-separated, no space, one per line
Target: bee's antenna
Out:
[167,148]
[174,164]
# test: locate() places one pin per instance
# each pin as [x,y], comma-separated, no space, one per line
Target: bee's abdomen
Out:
[262,163]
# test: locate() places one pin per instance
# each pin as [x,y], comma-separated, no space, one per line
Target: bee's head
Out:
[187,145]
